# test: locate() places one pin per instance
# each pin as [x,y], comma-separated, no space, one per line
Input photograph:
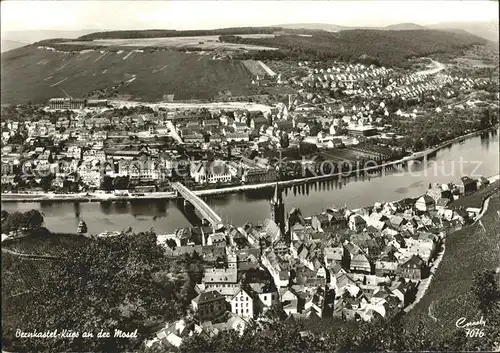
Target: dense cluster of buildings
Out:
[376,82]
[85,140]
[351,264]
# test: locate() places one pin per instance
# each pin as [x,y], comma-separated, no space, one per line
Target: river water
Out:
[477,155]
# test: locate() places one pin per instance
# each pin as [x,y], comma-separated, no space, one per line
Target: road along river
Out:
[476,155]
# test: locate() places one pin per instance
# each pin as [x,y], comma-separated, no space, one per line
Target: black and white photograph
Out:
[250,176]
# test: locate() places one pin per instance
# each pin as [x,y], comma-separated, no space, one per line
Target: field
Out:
[200,42]
[449,296]
[36,75]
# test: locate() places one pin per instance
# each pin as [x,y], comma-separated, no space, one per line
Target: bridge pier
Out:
[193,202]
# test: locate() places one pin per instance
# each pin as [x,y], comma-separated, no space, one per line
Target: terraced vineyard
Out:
[53,245]
[449,297]
[36,75]
[23,276]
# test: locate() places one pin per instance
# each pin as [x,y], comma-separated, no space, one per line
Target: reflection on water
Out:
[253,205]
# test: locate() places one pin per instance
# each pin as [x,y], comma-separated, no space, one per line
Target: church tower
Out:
[278,209]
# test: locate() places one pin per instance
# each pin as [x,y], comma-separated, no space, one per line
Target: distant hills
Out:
[486,30]
[11,44]
[28,37]
[404,27]
[337,28]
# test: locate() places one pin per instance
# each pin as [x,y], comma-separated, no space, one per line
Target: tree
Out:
[275,312]
[284,140]
[121,182]
[171,244]
[486,290]
[107,183]
[32,219]
[46,182]
[108,284]
[13,222]
[5,214]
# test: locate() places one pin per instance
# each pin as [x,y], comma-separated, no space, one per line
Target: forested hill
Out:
[383,47]
[160,33]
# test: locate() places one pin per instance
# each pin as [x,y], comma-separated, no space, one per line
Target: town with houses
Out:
[351,264]
[361,264]
[77,145]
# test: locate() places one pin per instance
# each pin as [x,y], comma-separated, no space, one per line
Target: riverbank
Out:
[103,197]
[448,297]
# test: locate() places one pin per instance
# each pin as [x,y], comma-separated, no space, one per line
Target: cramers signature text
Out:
[462,323]
[74,334]
[472,328]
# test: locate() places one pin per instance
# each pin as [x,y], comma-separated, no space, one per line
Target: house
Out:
[320,222]
[242,304]
[90,174]
[333,255]
[267,296]
[386,266]
[283,125]
[216,172]
[442,203]
[270,231]
[257,122]
[397,221]
[289,301]
[356,223]
[318,302]
[278,269]
[425,203]
[209,305]
[469,185]
[356,259]
[238,324]
[225,281]
[210,123]
[483,182]
[405,291]
[414,268]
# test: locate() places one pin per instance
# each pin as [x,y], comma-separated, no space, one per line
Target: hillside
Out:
[124,282]
[143,66]
[385,47]
[487,30]
[36,75]
[449,297]
[159,33]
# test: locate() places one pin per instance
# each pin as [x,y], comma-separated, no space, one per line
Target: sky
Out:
[19,15]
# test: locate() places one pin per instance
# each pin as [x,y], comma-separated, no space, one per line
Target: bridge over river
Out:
[206,211]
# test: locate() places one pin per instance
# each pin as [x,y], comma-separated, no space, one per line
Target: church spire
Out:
[277,198]
[278,208]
